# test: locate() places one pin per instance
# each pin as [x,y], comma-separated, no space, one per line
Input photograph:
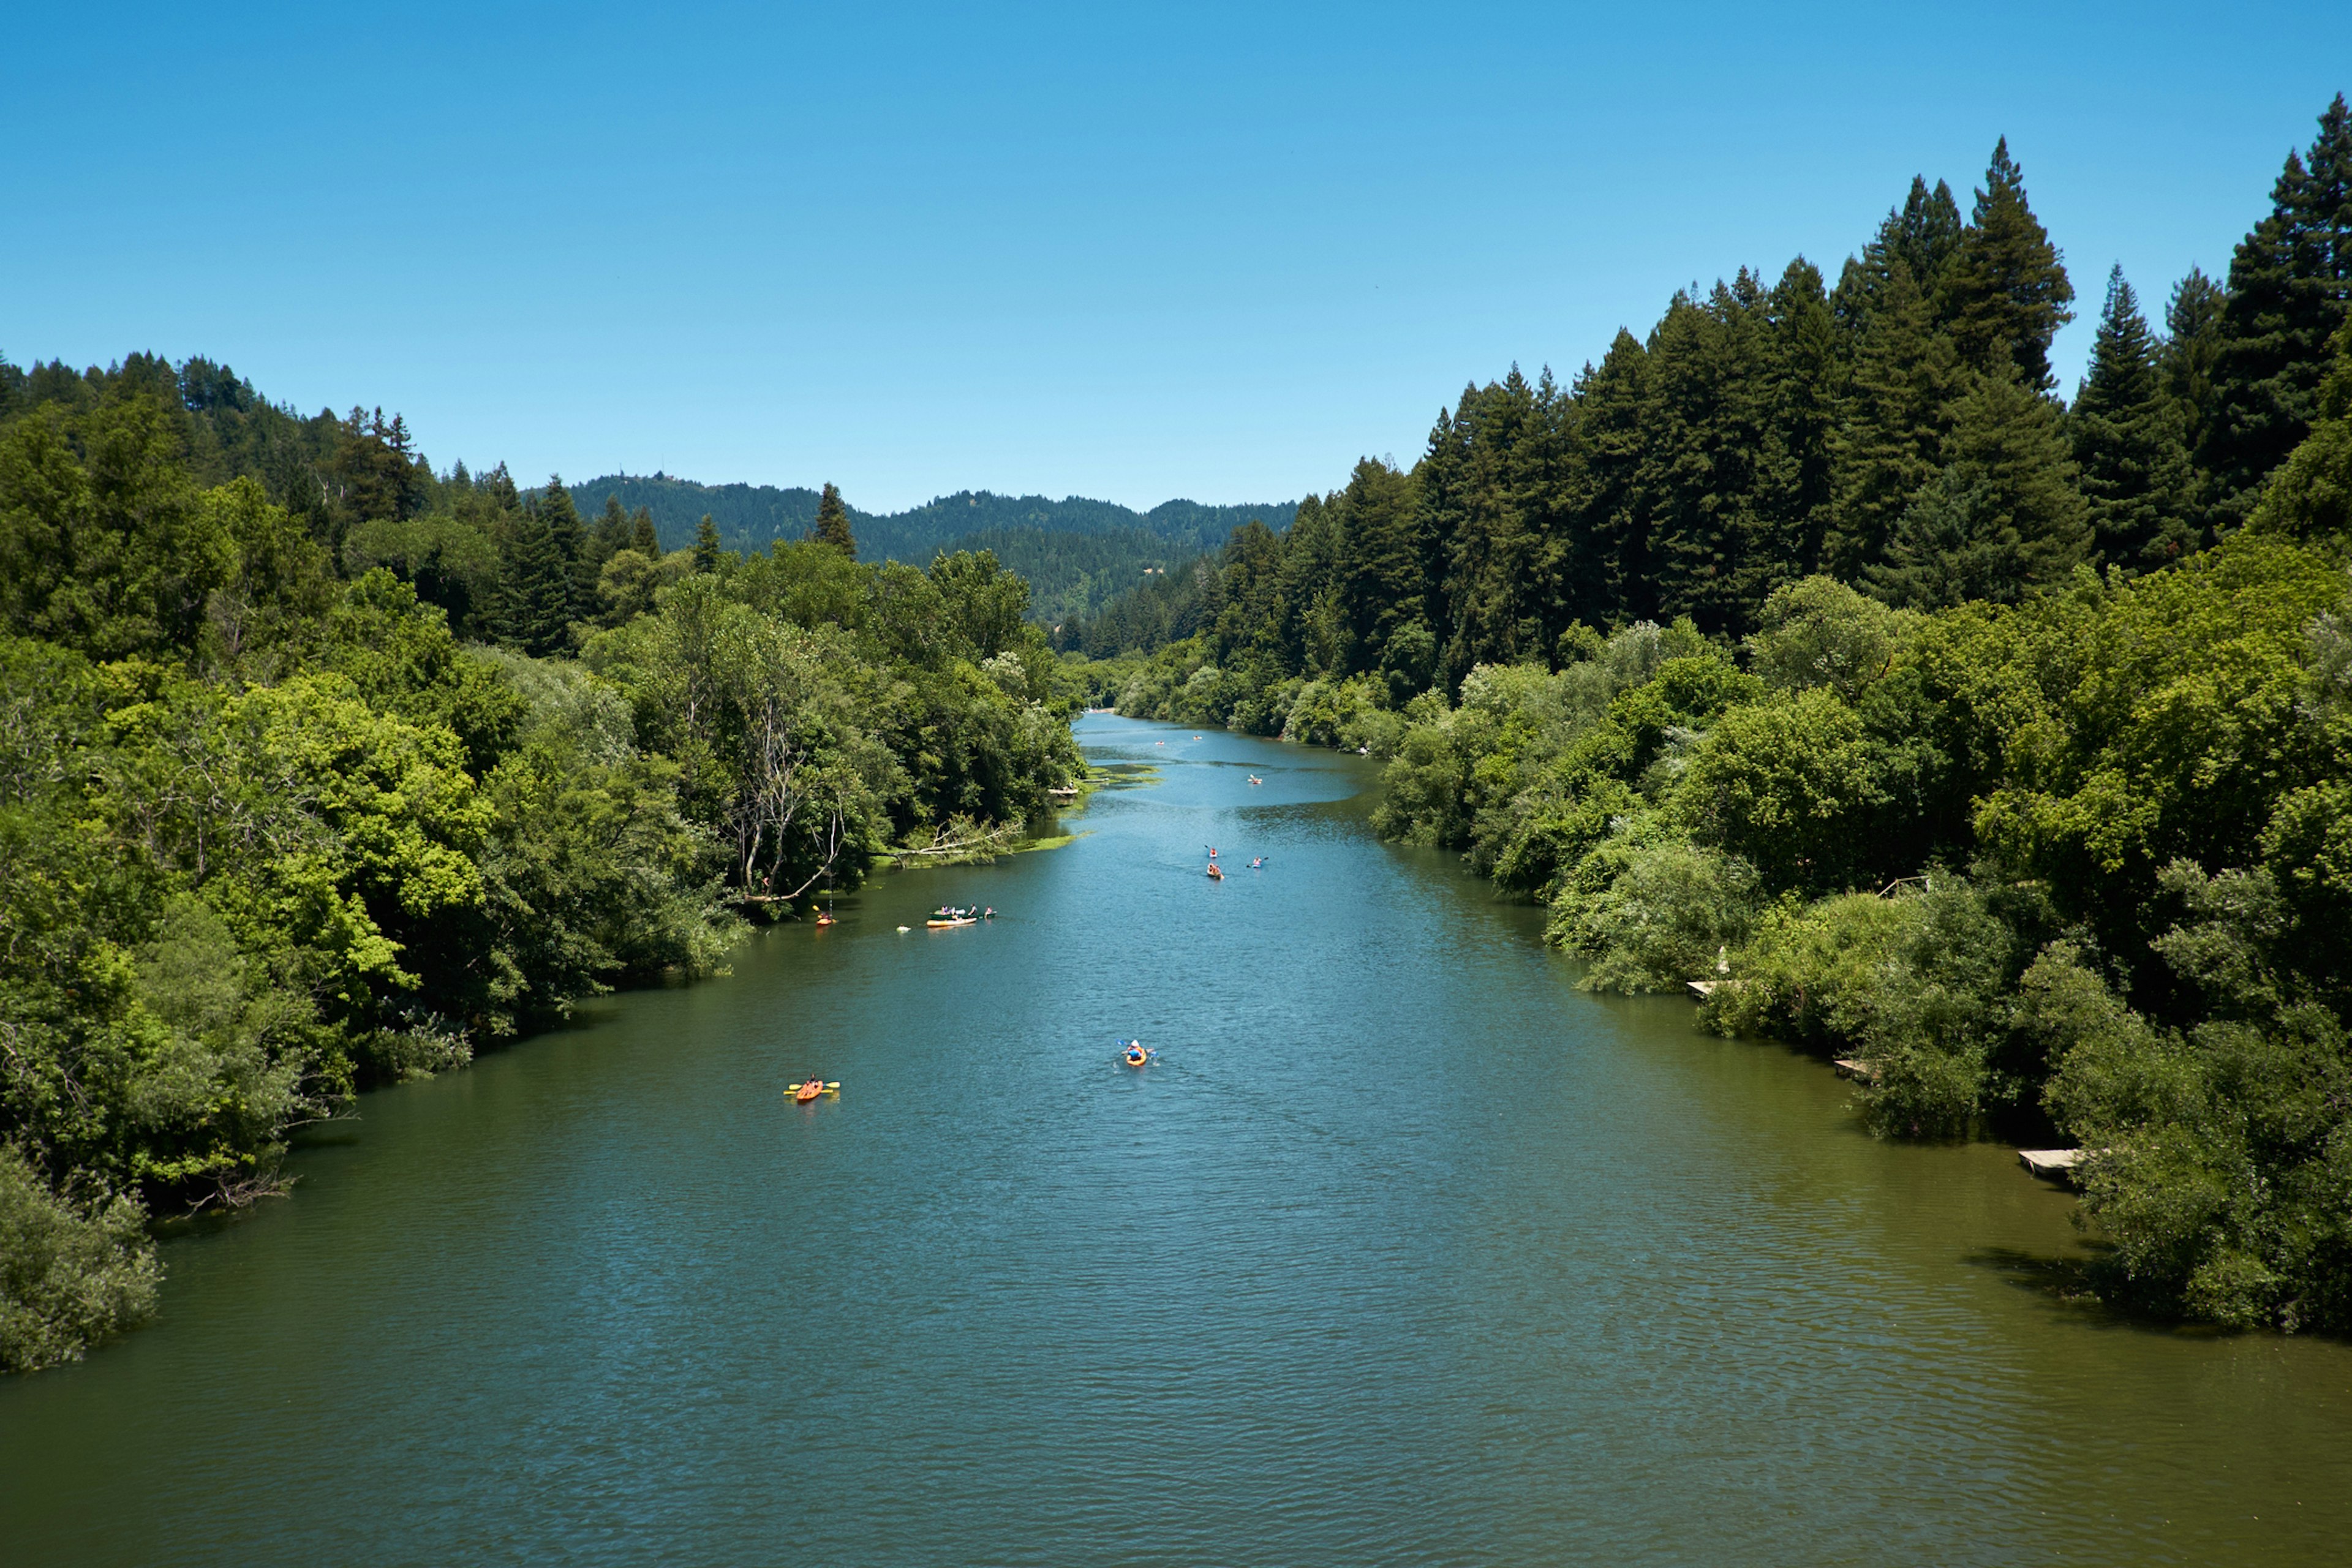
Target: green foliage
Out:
[2003,518]
[832,525]
[72,1273]
[2004,292]
[2285,301]
[1782,785]
[1652,913]
[268,835]
[1821,633]
[2310,496]
[2130,442]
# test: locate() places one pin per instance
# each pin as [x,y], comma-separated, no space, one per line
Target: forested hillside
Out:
[319,770]
[1998,743]
[1078,556]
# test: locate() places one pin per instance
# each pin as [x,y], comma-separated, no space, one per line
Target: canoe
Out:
[1215,874]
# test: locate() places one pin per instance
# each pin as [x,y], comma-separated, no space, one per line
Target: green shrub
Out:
[71,1273]
[1651,915]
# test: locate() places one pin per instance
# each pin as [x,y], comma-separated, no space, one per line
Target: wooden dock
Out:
[2052,1165]
[1855,1069]
[1702,989]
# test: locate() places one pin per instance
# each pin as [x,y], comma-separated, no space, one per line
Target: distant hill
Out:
[1078,553]
[751,516]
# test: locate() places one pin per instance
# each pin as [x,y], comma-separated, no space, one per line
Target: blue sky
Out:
[1132,253]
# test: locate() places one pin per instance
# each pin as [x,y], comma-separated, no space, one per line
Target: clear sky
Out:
[1126,252]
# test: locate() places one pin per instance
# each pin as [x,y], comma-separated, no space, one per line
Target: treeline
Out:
[1073,576]
[319,770]
[2001,746]
[1897,431]
[1078,556]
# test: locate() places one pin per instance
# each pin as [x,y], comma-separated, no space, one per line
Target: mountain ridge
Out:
[750,517]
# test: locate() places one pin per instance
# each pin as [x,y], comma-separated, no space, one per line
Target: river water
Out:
[1404,1252]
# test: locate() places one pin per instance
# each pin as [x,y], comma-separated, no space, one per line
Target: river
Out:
[1404,1252]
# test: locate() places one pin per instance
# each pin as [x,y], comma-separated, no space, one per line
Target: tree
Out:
[1889,440]
[832,525]
[2127,435]
[1381,585]
[1608,576]
[2290,281]
[2003,517]
[1704,434]
[570,541]
[1819,632]
[1785,786]
[105,543]
[2191,351]
[612,535]
[2310,497]
[642,537]
[536,588]
[2006,293]
[1922,237]
[706,545]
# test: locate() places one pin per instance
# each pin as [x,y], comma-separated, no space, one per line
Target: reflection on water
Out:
[1404,1251]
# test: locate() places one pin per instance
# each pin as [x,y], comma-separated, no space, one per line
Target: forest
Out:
[1996,743]
[320,769]
[1078,556]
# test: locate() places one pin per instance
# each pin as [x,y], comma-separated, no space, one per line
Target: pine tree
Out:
[642,537]
[2128,435]
[612,532]
[1704,434]
[1608,577]
[832,525]
[1923,235]
[2003,518]
[1446,504]
[2191,349]
[534,611]
[1802,372]
[1382,588]
[706,545]
[569,540]
[2290,283]
[2005,292]
[2310,496]
[1888,442]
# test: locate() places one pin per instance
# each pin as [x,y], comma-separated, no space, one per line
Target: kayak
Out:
[967,920]
[824,919]
[1216,873]
[804,1092]
[1136,1058]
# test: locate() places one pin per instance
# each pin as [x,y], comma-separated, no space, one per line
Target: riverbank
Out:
[1405,1249]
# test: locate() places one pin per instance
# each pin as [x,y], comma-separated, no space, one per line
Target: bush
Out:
[1654,915]
[71,1274]
[1916,986]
